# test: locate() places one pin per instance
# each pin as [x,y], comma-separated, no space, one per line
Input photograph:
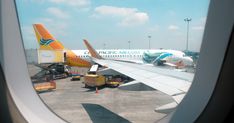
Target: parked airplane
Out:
[170,82]
[48,42]
[157,57]
[173,58]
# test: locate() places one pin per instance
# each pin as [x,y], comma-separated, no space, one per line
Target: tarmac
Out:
[76,104]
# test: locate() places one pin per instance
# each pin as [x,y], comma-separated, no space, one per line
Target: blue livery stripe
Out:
[45,41]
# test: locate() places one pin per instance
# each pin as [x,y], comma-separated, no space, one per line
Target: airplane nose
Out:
[189,60]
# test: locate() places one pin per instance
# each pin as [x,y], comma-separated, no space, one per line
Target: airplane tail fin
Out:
[45,39]
[92,51]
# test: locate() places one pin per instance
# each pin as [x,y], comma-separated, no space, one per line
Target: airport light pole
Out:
[129,44]
[104,46]
[187,20]
[149,40]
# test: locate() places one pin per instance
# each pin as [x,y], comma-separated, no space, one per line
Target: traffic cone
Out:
[96,90]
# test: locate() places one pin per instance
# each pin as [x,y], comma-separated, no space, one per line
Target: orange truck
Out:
[94,80]
[44,86]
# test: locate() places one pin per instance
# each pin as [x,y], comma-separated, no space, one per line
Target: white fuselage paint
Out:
[135,55]
[124,55]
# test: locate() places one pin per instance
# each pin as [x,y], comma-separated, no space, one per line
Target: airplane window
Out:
[87,91]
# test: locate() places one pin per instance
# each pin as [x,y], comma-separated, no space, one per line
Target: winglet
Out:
[92,51]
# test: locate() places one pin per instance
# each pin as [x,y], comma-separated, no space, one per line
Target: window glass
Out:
[163,35]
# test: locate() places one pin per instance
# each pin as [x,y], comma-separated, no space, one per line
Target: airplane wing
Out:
[167,81]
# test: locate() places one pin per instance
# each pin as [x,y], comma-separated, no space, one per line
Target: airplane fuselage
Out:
[177,58]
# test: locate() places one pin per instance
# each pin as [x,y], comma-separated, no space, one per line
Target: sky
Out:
[111,24]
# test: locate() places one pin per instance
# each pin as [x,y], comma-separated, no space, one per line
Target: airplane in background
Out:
[157,57]
[173,58]
[48,42]
[173,83]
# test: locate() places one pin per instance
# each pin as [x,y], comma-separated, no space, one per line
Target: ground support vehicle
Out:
[44,86]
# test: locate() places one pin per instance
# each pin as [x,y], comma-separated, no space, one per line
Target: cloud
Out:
[173,27]
[129,16]
[135,19]
[58,13]
[75,3]
[115,11]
